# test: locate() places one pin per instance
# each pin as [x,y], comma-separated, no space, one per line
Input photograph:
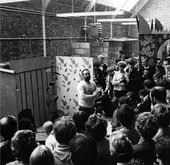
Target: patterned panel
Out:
[147,45]
[70,75]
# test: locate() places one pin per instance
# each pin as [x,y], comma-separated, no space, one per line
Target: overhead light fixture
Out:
[118,20]
[11,1]
[86,14]
[129,23]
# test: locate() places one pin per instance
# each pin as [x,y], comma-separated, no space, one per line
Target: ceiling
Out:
[129,6]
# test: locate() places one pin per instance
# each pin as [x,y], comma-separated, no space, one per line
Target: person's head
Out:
[162,113]
[121,148]
[100,58]
[131,62]
[126,100]
[42,155]
[121,65]
[83,150]
[157,77]
[96,65]
[143,93]
[162,148]
[168,96]
[48,127]
[146,124]
[22,144]
[64,129]
[110,70]
[96,127]
[158,95]
[125,115]
[80,119]
[86,75]
[147,84]
[121,54]
[8,126]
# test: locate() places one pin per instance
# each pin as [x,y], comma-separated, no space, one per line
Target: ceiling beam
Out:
[138,7]
[90,5]
[86,14]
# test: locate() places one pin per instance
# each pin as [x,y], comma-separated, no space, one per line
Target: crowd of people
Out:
[137,98]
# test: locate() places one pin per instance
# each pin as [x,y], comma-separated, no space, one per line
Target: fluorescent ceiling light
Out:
[117,20]
[11,1]
[129,23]
[86,14]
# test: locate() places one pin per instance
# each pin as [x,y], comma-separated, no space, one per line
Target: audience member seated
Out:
[83,150]
[50,142]
[42,155]
[162,113]
[157,77]
[96,127]
[64,131]
[22,145]
[148,84]
[26,120]
[80,119]
[144,151]
[123,100]
[157,96]
[145,104]
[163,150]
[8,127]
[121,150]
[125,116]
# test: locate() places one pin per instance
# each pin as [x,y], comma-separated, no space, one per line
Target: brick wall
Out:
[22,25]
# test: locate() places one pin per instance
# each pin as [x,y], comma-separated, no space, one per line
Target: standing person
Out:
[103,66]
[87,93]
[134,77]
[120,80]
[98,76]
[122,55]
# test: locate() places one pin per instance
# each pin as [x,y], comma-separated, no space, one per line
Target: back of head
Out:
[158,94]
[146,124]
[96,127]
[42,155]
[131,61]
[83,150]
[22,144]
[96,65]
[143,92]
[48,127]
[64,129]
[121,148]
[80,119]
[148,84]
[163,149]
[8,126]
[126,100]
[162,113]
[125,115]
